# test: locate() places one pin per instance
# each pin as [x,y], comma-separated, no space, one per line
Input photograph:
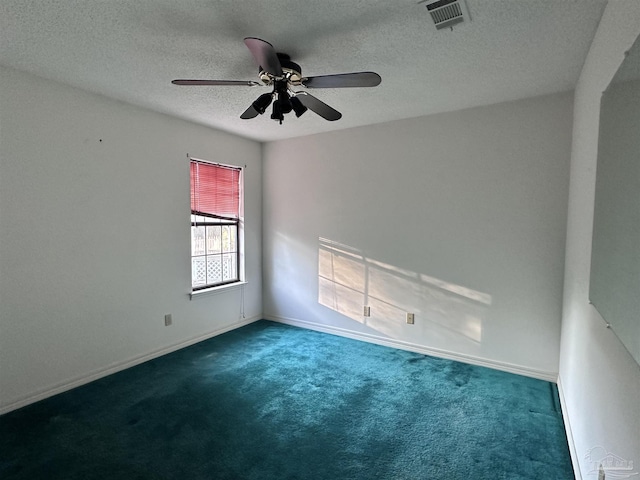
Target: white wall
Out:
[600,382]
[94,235]
[458,217]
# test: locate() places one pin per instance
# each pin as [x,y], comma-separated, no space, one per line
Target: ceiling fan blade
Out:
[264,55]
[342,80]
[319,107]
[249,113]
[246,83]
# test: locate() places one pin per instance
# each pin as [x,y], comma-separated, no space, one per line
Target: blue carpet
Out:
[273,402]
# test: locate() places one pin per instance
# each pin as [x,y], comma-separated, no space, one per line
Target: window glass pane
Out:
[233,231]
[225,238]
[229,267]
[198,271]
[214,269]
[213,239]
[197,241]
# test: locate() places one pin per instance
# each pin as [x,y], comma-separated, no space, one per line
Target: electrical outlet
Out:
[410,318]
[367,311]
[167,320]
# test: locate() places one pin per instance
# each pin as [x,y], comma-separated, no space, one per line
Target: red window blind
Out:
[215,190]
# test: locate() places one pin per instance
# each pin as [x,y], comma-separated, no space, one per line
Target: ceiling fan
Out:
[277,70]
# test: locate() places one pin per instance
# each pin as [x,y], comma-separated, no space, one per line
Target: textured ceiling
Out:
[131,50]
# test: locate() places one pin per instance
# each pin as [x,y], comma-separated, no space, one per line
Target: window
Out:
[215,224]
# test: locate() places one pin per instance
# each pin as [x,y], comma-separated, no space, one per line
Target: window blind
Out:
[215,190]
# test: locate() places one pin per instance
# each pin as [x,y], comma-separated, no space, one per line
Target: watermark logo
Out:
[614,467]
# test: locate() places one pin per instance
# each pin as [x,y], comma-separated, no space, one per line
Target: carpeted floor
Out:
[273,402]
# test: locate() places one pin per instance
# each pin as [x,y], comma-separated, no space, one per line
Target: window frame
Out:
[202,219]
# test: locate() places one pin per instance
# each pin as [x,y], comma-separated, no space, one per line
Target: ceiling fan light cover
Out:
[262,102]
[285,103]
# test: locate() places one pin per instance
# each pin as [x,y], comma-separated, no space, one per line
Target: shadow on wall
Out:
[348,280]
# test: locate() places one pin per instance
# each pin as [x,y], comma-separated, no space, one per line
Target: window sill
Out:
[215,290]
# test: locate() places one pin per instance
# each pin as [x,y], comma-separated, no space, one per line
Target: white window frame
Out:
[239,279]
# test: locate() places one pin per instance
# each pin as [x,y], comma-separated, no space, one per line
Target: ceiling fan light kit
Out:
[278,71]
[262,103]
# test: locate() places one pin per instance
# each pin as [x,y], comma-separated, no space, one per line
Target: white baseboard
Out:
[114,368]
[567,428]
[412,347]
[388,342]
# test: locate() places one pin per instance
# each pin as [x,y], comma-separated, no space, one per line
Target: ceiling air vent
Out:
[446,13]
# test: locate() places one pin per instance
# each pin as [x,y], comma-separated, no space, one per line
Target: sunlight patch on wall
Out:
[342,281]
[348,280]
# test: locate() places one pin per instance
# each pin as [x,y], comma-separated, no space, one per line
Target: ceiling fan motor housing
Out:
[292,71]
